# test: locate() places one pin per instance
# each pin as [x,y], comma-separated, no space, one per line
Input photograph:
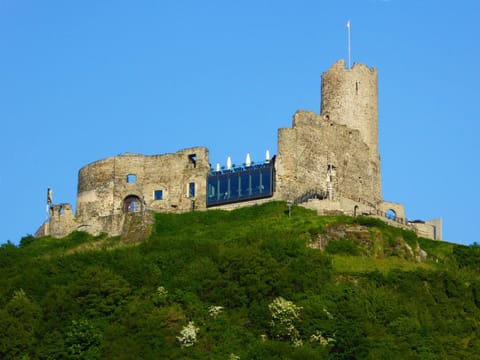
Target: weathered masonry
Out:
[328,161]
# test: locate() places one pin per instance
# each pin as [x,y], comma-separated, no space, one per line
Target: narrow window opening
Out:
[191,190]
[356,87]
[192,158]
[131,178]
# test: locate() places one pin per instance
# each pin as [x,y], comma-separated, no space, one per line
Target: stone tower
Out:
[334,154]
[350,97]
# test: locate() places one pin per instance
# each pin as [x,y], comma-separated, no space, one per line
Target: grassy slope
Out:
[365,290]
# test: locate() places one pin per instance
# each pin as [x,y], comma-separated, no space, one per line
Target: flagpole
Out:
[348,43]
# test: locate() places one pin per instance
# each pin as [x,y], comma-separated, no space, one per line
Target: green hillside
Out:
[254,283]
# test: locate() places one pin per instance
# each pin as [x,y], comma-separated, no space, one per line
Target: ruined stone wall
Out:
[104,186]
[342,206]
[350,97]
[61,222]
[397,208]
[317,152]
[431,229]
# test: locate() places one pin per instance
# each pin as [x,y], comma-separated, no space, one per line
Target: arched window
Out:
[391,214]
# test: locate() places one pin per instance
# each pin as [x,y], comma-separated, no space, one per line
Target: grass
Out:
[352,265]
[265,223]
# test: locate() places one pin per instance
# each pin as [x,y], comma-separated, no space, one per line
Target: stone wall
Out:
[342,206]
[431,229]
[62,220]
[104,186]
[319,154]
[396,208]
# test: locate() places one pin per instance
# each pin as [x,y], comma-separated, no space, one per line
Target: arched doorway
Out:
[132,203]
[355,210]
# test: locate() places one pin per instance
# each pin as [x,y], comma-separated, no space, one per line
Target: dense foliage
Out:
[246,284]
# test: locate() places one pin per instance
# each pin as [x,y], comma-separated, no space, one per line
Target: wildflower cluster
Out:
[320,339]
[214,311]
[284,315]
[160,296]
[188,335]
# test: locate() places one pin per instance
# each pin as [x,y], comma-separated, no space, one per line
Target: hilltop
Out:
[253,283]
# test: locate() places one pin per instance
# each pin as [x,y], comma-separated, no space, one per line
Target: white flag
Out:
[348,24]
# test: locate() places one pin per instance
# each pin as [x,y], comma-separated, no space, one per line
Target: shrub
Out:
[284,315]
[188,335]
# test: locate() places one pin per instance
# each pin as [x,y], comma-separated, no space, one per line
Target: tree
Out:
[83,341]
[18,323]
[284,315]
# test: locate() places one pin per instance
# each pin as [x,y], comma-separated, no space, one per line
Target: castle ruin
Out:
[328,162]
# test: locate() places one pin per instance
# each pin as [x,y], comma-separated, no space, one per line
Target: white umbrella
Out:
[248,161]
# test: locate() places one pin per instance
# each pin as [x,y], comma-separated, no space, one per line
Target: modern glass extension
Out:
[240,184]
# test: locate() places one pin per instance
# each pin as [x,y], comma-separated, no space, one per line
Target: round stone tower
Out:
[350,97]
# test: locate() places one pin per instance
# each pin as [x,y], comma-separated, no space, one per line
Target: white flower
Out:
[161,291]
[188,335]
[284,314]
[319,338]
[214,311]
[284,311]
[160,296]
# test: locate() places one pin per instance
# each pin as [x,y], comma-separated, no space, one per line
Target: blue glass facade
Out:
[240,184]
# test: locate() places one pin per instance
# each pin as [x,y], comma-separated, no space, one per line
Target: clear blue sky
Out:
[85,80]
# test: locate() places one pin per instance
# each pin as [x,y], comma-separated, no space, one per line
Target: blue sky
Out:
[85,80]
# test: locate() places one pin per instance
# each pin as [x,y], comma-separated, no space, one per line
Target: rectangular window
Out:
[191,189]
[158,195]
[131,178]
